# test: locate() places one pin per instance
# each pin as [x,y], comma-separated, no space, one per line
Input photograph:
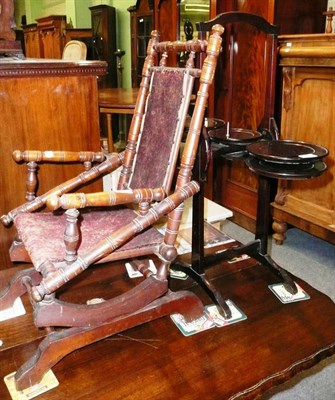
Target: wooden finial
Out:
[330,15]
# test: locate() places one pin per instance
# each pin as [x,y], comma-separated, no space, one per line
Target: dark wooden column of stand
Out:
[263,212]
[196,268]
[198,214]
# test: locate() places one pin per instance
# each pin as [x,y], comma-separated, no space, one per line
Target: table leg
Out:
[110,142]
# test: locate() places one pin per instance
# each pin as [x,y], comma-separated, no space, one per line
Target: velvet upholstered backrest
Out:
[156,131]
[162,128]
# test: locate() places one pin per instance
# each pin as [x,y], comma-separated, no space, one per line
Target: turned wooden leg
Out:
[31,180]
[110,141]
[280,229]
[71,235]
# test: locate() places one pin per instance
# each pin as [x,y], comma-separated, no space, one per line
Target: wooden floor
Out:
[155,361]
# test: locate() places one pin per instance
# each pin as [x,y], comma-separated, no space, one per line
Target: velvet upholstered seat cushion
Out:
[43,233]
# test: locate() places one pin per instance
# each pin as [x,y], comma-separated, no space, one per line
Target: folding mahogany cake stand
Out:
[270,159]
[281,159]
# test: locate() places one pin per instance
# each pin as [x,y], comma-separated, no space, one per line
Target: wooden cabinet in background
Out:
[31,41]
[308,72]
[46,38]
[164,16]
[104,41]
[300,16]
[52,40]
[141,25]
[44,105]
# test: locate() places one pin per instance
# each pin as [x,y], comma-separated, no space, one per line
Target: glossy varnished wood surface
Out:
[155,361]
[308,73]
[243,98]
[120,99]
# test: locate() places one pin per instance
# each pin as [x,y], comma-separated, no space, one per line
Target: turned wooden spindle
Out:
[71,235]
[190,60]
[143,266]
[329,15]
[87,165]
[163,60]
[31,181]
[280,229]
[100,199]
[143,207]
[58,156]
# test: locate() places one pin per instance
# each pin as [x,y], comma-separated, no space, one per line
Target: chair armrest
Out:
[110,164]
[34,157]
[99,199]
[58,156]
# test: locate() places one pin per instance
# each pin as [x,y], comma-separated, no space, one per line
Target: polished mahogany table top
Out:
[116,101]
[155,361]
[118,98]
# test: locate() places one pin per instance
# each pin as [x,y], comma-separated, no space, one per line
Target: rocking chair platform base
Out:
[155,361]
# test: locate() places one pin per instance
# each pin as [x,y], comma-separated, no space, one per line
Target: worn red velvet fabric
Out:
[43,233]
[159,129]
